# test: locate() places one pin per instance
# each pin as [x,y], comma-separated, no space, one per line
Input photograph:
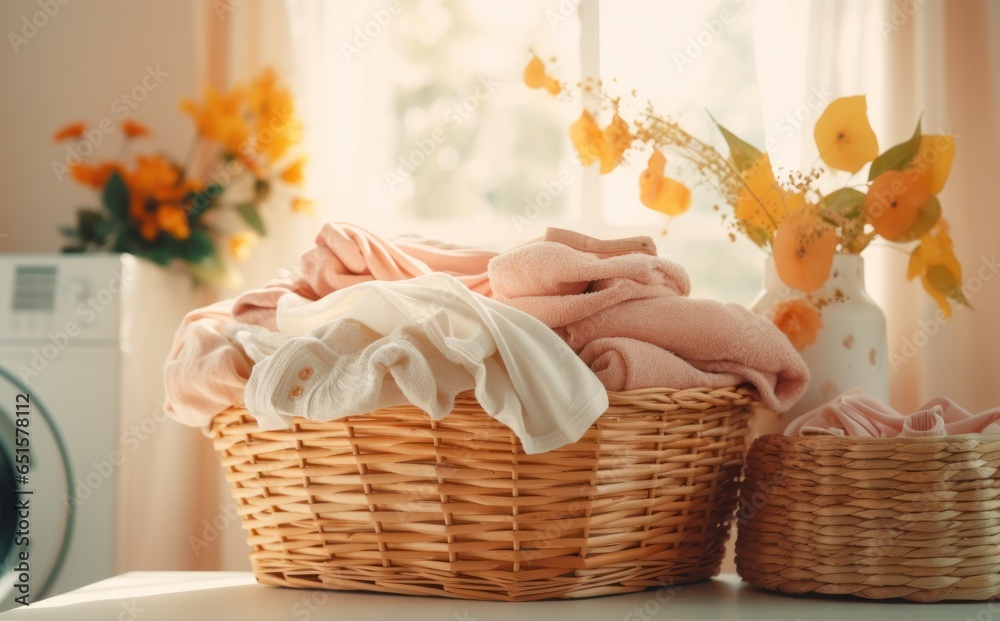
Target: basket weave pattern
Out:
[912,518]
[394,502]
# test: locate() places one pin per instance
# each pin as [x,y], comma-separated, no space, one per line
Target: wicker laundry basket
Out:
[394,502]
[911,518]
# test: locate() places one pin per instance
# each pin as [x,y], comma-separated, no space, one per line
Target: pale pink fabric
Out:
[559,284]
[856,413]
[345,255]
[205,372]
[629,318]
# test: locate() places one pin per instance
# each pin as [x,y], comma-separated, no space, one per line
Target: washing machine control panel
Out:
[61,298]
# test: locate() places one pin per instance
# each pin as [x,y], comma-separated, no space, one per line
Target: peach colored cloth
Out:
[205,372]
[345,255]
[856,413]
[629,318]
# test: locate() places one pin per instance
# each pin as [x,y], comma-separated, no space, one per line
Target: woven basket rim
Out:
[820,440]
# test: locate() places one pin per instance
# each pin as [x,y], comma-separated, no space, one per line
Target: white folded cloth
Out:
[420,341]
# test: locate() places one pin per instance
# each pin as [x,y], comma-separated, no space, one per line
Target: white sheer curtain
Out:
[938,58]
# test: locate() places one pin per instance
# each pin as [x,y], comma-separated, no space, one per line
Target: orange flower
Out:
[587,138]
[172,219]
[241,243]
[762,203]
[933,159]
[535,77]
[277,128]
[148,228]
[894,200]
[94,176]
[799,321]
[303,206]
[844,136]
[616,140]
[940,273]
[134,129]
[803,252]
[221,118]
[662,193]
[73,130]
[294,173]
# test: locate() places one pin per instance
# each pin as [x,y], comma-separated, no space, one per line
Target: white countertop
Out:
[220,596]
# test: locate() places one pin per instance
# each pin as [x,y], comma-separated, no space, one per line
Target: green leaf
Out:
[744,155]
[252,217]
[116,196]
[927,217]
[945,283]
[203,201]
[69,231]
[845,203]
[197,247]
[161,254]
[897,157]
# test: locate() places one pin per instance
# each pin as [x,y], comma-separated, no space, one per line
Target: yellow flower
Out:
[803,251]
[940,273]
[535,77]
[221,118]
[587,138]
[303,206]
[844,136]
[277,127]
[241,243]
[617,139]
[799,321]
[294,173]
[894,200]
[73,130]
[762,203]
[933,159]
[662,193]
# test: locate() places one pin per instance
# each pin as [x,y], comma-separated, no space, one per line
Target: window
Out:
[456,147]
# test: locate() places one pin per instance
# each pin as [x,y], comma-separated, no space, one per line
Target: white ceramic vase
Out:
[851,348]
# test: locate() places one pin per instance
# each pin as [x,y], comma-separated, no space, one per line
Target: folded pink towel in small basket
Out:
[856,413]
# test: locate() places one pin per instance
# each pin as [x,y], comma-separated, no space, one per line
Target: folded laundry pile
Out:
[856,413]
[540,333]
[627,313]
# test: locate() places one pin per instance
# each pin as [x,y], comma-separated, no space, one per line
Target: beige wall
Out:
[77,66]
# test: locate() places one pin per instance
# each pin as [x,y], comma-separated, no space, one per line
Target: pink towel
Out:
[205,373]
[559,284]
[345,255]
[856,413]
[695,343]
[626,312]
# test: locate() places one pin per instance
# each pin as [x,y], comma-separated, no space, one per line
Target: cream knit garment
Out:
[419,341]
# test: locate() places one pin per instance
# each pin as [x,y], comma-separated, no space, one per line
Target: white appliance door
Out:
[36,511]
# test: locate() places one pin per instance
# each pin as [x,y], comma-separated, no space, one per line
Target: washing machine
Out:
[74,373]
